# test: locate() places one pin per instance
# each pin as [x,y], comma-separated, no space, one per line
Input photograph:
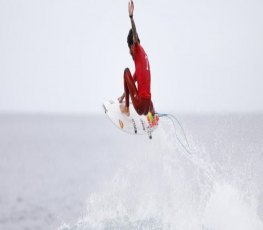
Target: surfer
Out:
[141,96]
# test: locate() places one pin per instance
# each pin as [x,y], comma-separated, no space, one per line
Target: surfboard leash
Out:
[174,120]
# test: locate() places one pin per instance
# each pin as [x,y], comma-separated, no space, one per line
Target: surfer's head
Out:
[130,41]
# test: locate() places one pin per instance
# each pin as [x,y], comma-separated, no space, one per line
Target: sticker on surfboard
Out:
[133,124]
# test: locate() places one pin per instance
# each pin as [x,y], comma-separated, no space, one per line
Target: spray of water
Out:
[164,187]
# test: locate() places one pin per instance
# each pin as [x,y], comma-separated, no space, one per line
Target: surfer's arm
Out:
[134,31]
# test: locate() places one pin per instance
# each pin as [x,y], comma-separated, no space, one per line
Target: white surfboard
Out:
[133,124]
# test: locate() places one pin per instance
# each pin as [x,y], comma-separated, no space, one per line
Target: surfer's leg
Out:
[141,105]
[145,106]
[129,88]
[151,108]
[126,89]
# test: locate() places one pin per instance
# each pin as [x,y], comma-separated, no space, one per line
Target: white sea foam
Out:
[164,187]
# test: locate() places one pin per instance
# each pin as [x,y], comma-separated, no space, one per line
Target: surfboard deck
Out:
[134,124]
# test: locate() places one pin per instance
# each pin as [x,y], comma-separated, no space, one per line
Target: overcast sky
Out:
[68,56]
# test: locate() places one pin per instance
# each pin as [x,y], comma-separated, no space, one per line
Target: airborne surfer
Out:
[141,96]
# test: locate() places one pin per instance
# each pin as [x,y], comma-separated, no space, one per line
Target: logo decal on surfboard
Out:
[143,126]
[134,125]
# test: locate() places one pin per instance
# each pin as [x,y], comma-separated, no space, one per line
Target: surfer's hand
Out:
[131,8]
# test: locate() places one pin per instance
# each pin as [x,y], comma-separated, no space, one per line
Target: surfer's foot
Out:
[125,110]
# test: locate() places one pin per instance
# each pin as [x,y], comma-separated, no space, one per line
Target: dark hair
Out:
[130,38]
